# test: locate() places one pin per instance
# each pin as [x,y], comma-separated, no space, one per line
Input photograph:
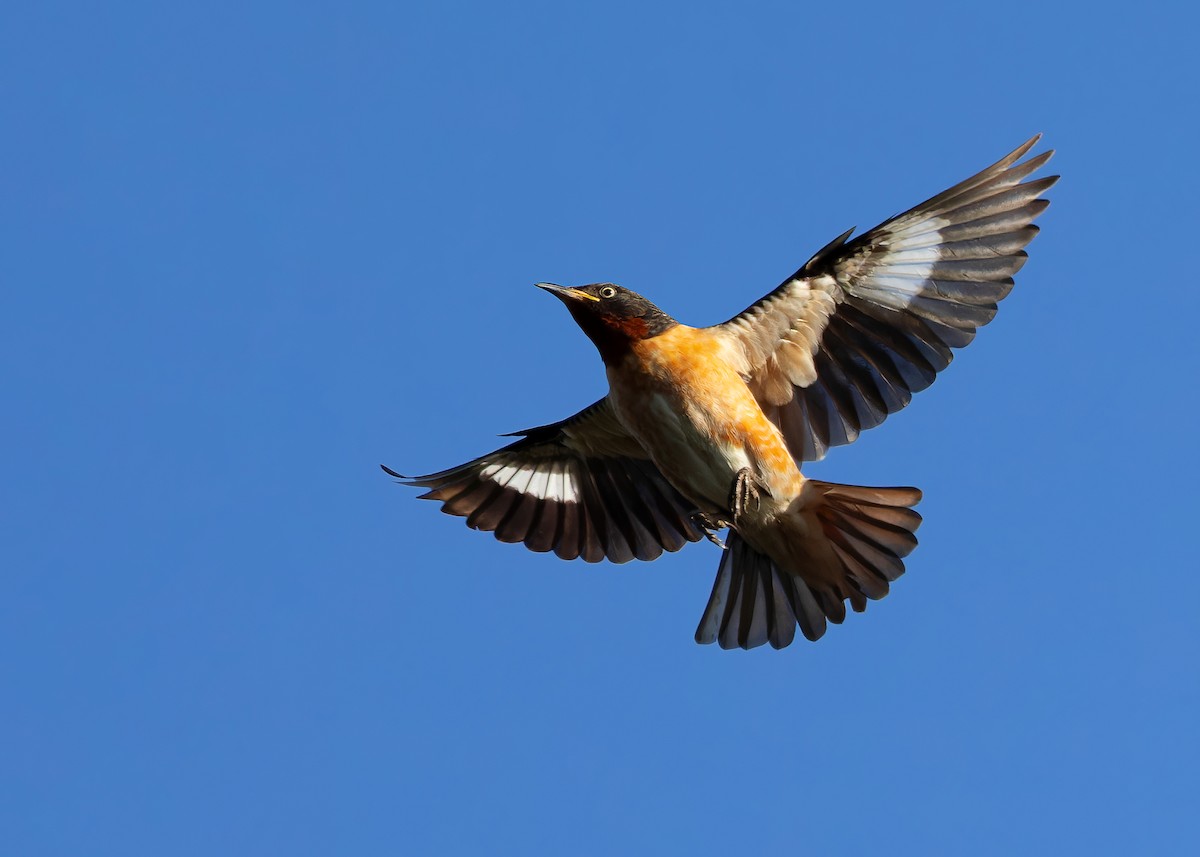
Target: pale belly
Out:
[676,438]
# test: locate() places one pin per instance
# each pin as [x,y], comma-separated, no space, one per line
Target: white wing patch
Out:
[520,482]
[539,484]
[902,268]
[529,480]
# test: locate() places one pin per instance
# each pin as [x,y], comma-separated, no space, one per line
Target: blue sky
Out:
[251,251]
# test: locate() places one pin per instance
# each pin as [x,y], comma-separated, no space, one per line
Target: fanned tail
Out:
[753,602]
[853,554]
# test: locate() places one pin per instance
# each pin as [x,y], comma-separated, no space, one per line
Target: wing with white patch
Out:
[582,487]
[847,339]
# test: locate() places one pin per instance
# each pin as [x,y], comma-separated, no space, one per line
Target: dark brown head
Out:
[612,317]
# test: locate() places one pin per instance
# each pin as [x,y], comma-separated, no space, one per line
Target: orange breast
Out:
[689,371]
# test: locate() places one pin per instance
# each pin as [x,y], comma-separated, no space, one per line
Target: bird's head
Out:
[612,317]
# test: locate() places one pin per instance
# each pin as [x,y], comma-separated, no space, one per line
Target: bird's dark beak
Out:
[566,294]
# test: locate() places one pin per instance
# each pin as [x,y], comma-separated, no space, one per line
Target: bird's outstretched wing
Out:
[847,339]
[582,487]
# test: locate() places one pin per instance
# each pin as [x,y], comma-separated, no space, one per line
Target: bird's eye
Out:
[608,292]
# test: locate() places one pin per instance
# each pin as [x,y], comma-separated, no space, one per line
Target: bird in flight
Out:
[705,428]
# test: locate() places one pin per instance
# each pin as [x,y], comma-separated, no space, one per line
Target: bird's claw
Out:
[710,527]
[746,494]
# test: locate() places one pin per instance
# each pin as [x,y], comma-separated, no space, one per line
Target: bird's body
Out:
[705,428]
[680,394]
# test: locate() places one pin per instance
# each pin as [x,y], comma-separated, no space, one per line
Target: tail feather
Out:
[867,533]
[753,602]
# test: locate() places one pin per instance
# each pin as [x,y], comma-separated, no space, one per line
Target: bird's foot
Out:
[746,495]
[711,527]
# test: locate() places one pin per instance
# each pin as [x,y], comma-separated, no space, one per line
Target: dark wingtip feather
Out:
[418,481]
[1017,153]
[824,253]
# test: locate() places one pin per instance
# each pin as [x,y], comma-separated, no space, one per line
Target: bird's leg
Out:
[746,494]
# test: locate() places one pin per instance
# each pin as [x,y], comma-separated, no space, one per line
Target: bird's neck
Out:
[613,336]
